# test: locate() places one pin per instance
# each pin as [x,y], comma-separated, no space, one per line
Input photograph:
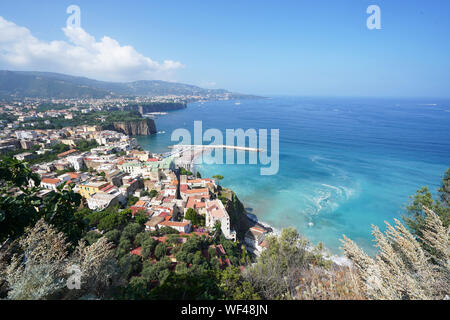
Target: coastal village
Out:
[111,169]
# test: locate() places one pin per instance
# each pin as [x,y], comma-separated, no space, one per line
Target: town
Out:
[109,169]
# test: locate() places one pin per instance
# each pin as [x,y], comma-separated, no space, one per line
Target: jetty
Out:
[214,146]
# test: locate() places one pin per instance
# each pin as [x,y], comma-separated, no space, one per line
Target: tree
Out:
[160,251]
[415,214]
[132,200]
[40,269]
[234,286]
[137,289]
[219,178]
[15,176]
[153,193]
[277,271]
[148,247]
[92,236]
[141,217]
[131,230]
[58,208]
[194,217]
[130,265]
[113,236]
[402,269]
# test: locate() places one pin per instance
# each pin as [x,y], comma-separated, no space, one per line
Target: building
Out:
[184,226]
[102,200]
[89,188]
[201,192]
[76,162]
[254,238]
[26,144]
[153,223]
[24,156]
[215,212]
[66,153]
[51,184]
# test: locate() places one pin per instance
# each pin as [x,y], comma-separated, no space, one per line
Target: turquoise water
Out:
[345,164]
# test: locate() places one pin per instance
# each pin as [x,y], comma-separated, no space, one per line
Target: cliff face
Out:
[142,127]
[155,107]
[238,217]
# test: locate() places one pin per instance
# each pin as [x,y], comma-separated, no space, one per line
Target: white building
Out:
[76,162]
[184,226]
[215,211]
[102,200]
[254,239]
[51,184]
[26,135]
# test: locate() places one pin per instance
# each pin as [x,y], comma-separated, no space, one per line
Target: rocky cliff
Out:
[142,127]
[238,217]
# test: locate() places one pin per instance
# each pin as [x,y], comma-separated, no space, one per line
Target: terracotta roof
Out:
[175,223]
[136,251]
[63,154]
[194,191]
[50,181]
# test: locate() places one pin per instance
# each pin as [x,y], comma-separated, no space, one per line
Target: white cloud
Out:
[81,55]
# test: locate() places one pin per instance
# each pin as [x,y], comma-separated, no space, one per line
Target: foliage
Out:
[416,216]
[402,269]
[40,269]
[141,217]
[184,172]
[153,193]
[277,271]
[194,217]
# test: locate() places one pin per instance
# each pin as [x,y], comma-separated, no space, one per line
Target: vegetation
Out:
[46,243]
[91,118]
[184,172]
[415,217]
[195,218]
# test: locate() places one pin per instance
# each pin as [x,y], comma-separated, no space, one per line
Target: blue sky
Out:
[312,48]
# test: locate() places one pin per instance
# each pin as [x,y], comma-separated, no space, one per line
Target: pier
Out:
[213,146]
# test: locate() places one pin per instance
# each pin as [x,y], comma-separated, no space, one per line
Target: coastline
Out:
[336,259]
[339,260]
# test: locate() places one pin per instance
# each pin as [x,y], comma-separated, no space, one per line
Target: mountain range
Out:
[20,84]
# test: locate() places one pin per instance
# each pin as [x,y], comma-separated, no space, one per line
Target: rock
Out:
[142,127]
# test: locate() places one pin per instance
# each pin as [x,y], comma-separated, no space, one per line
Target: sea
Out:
[345,164]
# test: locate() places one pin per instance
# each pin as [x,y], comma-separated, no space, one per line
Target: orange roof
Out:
[63,154]
[175,223]
[194,203]
[140,203]
[73,175]
[193,191]
[50,181]
[136,251]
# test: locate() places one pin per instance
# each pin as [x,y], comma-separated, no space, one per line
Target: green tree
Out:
[160,251]
[15,176]
[194,217]
[92,236]
[219,178]
[415,215]
[234,286]
[141,217]
[148,247]
[130,265]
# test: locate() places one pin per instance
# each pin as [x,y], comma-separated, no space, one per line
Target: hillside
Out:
[54,85]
